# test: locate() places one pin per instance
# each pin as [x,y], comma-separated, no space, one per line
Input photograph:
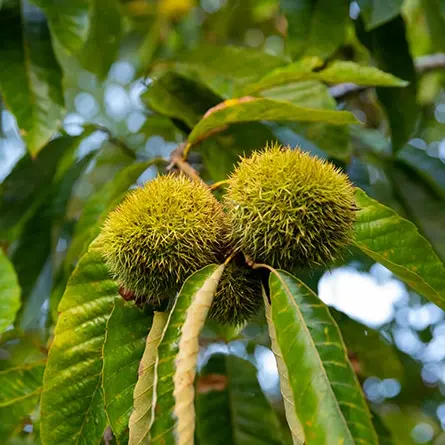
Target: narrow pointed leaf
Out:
[231,408]
[337,72]
[342,71]
[142,415]
[327,396]
[32,83]
[9,293]
[396,243]
[72,407]
[292,418]
[126,331]
[251,109]
[163,428]
[187,358]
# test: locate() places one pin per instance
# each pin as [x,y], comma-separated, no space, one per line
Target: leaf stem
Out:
[177,158]
[218,184]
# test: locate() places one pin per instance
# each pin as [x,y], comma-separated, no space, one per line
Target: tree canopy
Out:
[99,97]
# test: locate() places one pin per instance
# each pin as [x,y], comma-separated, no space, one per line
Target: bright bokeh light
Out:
[367,297]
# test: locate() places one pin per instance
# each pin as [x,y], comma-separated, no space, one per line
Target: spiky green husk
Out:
[290,209]
[161,234]
[238,295]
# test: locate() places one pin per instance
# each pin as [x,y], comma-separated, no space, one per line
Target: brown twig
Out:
[430,62]
[177,160]
[262,266]
[218,184]
[230,257]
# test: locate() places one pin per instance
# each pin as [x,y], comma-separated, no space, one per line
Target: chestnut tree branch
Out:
[178,160]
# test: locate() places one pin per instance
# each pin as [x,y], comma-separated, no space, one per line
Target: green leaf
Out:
[31,181]
[396,243]
[333,139]
[298,15]
[435,24]
[97,207]
[341,71]
[336,72]
[390,49]
[103,39]
[142,416]
[72,382]
[430,169]
[21,347]
[32,84]
[68,22]
[163,428]
[39,230]
[290,73]
[305,93]
[225,68]
[21,387]
[9,293]
[315,28]
[373,354]
[221,153]
[20,383]
[425,209]
[178,97]
[160,126]
[238,110]
[126,331]
[377,12]
[327,28]
[292,417]
[187,358]
[231,408]
[326,393]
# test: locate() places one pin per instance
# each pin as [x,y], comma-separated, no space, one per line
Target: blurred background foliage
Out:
[95,94]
